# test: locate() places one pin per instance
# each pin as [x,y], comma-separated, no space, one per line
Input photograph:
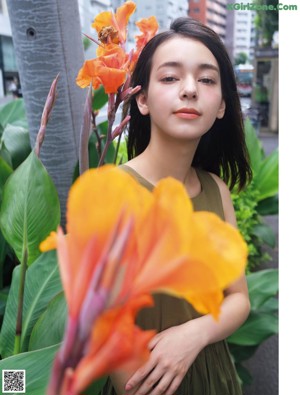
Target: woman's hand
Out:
[172,353]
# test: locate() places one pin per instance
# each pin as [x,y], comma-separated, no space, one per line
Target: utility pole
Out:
[47,40]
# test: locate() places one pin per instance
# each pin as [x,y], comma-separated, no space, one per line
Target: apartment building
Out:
[240,33]
[210,12]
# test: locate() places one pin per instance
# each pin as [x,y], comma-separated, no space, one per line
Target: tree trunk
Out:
[47,40]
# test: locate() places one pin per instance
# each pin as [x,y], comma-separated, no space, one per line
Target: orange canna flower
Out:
[148,27]
[112,27]
[108,69]
[120,249]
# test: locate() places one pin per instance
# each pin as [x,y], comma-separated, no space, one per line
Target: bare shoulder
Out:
[226,200]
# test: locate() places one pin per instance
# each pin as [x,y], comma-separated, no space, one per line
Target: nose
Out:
[189,89]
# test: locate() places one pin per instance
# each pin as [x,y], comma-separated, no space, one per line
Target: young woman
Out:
[186,123]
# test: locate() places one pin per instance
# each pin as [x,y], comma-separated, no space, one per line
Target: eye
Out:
[207,81]
[169,79]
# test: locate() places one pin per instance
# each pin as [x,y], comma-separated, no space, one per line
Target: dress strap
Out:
[209,198]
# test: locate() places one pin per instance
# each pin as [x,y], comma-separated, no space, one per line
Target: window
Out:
[9,60]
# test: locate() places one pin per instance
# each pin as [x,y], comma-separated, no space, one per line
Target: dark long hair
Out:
[222,150]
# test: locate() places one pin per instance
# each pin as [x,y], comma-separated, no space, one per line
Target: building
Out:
[240,32]
[8,66]
[210,12]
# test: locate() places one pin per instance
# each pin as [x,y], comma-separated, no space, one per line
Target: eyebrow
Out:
[201,66]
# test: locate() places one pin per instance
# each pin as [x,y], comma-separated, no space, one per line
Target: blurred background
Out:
[251,38]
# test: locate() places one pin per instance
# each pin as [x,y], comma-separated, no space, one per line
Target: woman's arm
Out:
[175,349]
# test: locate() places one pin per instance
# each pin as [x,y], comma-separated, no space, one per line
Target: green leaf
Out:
[100,98]
[17,142]
[30,208]
[266,180]
[5,172]
[54,317]
[262,285]
[254,146]
[41,286]
[255,330]
[38,366]
[268,206]
[13,113]
[265,233]
[5,154]
[3,300]
[270,306]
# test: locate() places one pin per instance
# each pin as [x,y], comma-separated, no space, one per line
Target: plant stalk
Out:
[17,346]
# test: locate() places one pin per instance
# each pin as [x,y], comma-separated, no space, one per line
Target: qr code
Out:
[13,381]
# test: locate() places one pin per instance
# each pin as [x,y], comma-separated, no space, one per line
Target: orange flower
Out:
[117,23]
[148,27]
[109,69]
[119,249]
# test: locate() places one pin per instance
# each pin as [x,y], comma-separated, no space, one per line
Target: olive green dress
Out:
[213,372]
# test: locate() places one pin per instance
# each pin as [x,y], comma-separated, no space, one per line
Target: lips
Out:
[188,113]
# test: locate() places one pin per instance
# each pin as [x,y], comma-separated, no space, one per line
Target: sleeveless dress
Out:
[213,372]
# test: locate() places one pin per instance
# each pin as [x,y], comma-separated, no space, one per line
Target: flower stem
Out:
[17,345]
[49,104]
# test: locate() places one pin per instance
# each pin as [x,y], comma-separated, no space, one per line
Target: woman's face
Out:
[184,96]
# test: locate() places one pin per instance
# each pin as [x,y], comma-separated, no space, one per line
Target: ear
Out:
[141,101]
[221,111]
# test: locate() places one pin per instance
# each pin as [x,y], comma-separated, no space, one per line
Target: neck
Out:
[173,159]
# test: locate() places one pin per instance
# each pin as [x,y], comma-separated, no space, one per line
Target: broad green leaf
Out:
[5,154]
[254,146]
[268,206]
[5,172]
[266,180]
[17,142]
[265,233]
[38,366]
[30,208]
[100,98]
[3,300]
[262,285]
[255,330]
[270,306]
[54,317]
[41,286]
[13,113]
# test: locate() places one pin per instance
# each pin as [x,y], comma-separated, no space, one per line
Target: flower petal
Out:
[116,342]
[103,19]
[122,17]
[50,243]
